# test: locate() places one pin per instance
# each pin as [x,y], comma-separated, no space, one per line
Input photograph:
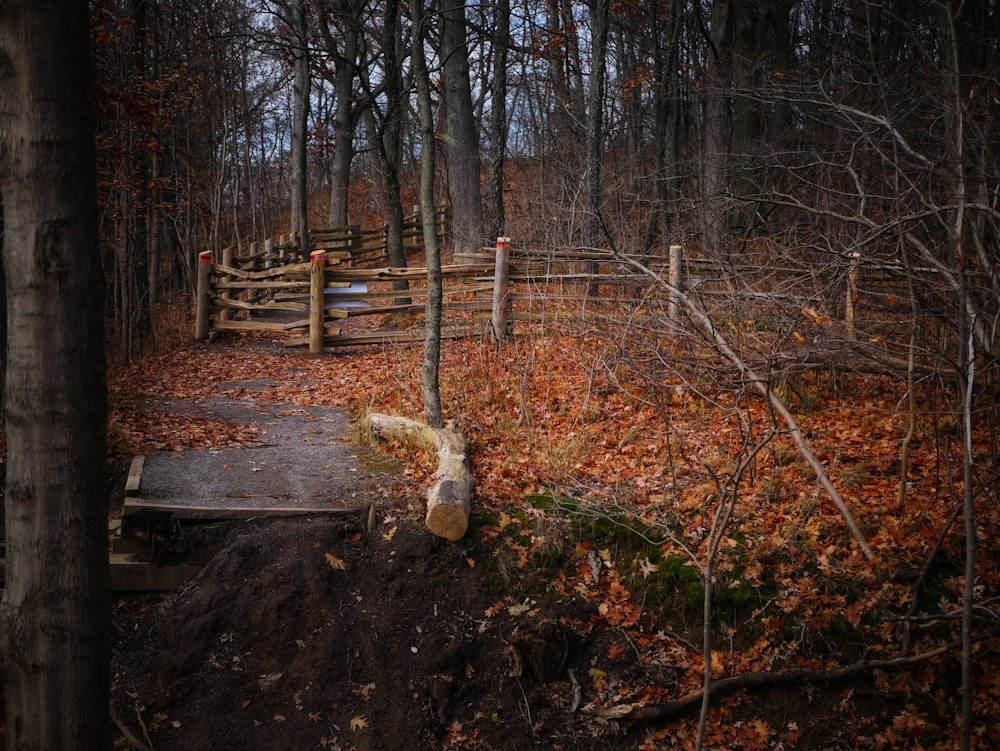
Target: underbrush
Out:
[601,464]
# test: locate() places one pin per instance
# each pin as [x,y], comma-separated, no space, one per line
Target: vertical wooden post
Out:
[227,261]
[203,295]
[852,295]
[317,301]
[676,278]
[501,298]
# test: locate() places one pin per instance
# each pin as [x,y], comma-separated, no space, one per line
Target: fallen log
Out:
[450,497]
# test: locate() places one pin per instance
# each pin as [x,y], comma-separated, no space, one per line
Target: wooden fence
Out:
[271,289]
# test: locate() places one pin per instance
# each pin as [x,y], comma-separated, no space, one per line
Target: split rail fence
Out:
[309,301]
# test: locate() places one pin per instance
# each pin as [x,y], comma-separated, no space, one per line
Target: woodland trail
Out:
[301,461]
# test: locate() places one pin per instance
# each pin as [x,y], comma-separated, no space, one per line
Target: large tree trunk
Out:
[464,187]
[300,124]
[345,113]
[55,610]
[390,144]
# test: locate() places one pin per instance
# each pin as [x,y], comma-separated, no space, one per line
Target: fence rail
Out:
[273,290]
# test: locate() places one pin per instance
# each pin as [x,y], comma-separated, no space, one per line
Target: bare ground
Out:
[315,633]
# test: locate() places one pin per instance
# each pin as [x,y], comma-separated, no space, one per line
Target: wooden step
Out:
[128,574]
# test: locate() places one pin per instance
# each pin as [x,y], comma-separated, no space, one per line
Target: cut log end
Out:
[449,522]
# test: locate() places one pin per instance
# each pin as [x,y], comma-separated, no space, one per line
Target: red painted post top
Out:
[502,243]
[317,255]
[205,256]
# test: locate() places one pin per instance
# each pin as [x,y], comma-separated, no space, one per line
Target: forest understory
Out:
[572,613]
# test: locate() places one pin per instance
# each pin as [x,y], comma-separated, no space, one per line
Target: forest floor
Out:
[570,616]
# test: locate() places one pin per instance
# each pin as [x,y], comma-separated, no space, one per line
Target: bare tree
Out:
[429,373]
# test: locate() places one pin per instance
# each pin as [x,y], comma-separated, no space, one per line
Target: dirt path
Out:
[302,460]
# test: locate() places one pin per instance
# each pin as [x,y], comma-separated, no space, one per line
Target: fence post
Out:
[317,301]
[227,261]
[501,298]
[203,295]
[676,278]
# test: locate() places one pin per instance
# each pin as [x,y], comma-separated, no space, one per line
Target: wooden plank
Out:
[249,325]
[358,338]
[243,305]
[387,295]
[135,475]
[248,284]
[391,273]
[218,268]
[223,513]
[129,575]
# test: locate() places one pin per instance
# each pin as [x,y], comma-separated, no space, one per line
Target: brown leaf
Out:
[358,722]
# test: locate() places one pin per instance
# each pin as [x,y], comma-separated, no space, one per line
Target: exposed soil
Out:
[315,633]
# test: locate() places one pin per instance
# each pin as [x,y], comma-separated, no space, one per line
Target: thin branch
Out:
[770,678]
[763,388]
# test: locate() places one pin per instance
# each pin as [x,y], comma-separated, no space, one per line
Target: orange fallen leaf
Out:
[335,562]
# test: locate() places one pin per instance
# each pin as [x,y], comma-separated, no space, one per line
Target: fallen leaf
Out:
[647,567]
[518,610]
[390,534]
[358,722]
[269,680]
[279,718]
[335,562]
[471,562]
[314,716]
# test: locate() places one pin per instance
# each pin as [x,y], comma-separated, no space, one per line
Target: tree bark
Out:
[429,373]
[390,144]
[55,609]
[599,13]
[449,498]
[464,187]
[498,120]
[345,113]
[300,124]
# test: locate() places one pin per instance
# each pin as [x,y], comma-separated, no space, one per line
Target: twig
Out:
[763,388]
[127,733]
